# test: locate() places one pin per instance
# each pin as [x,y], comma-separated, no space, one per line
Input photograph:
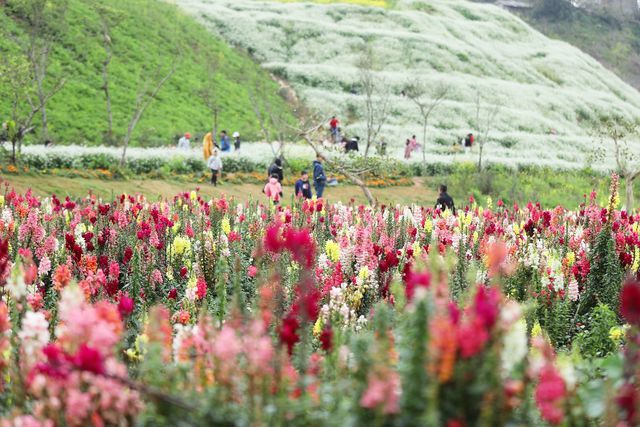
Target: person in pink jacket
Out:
[273,189]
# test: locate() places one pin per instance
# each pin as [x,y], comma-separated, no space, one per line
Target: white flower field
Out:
[548,90]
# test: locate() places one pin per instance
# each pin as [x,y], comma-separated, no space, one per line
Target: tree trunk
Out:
[480,146]
[107,95]
[424,145]
[629,188]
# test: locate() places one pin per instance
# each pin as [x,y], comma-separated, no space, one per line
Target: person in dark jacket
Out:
[303,188]
[319,178]
[445,201]
[276,168]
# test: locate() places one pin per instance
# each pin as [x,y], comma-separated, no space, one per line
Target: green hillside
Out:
[139,41]
[547,90]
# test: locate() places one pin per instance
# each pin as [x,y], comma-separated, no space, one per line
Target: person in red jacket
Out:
[333,125]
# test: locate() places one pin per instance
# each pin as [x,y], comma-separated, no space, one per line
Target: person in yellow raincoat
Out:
[207,146]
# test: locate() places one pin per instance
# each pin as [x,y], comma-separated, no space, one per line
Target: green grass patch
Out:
[140,43]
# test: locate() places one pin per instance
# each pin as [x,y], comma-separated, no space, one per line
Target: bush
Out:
[594,340]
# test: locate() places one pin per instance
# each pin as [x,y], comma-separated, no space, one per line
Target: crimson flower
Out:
[630,302]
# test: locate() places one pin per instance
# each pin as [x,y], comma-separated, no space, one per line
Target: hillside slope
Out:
[548,89]
[613,41]
[140,42]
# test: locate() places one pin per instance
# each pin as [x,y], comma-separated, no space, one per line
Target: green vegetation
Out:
[143,30]
[612,41]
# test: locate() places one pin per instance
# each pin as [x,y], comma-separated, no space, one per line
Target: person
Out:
[303,188]
[276,168]
[332,181]
[445,201]
[407,149]
[468,141]
[184,143]
[410,146]
[236,141]
[333,125]
[319,178]
[225,144]
[273,189]
[382,147]
[48,143]
[208,145]
[215,164]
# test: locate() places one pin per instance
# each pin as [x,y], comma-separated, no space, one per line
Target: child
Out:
[303,188]
[273,189]
[215,164]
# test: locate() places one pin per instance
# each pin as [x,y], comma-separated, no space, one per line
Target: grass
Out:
[43,185]
[549,188]
[140,43]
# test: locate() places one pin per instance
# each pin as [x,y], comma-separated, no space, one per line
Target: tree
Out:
[376,97]
[268,117]
[109,18]
[16,76]
[485,121]
[621,131]
[147,92]
[208,91]
[45,21]
[426,100]
[340,164]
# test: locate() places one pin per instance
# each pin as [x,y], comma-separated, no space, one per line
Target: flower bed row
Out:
[132,312]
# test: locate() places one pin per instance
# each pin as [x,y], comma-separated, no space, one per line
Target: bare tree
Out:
[208,92]
[426,100]
[621,131]
[340,164]
[16,75]
[45,21]
[485,121]
[269,119]
[146,95]
[376,97]
[109,18]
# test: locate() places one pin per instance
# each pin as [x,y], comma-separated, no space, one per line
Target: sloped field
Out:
[548,89]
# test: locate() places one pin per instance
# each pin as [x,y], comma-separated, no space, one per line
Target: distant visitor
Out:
[303,187]
[184,143]
[215,164]
[445,201]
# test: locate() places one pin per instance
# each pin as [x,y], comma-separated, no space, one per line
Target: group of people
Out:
[346,144]
[302,187]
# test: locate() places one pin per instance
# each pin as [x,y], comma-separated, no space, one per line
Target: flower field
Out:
[210,312]
[548,90]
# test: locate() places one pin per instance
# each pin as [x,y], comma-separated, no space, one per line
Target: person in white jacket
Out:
[215,164]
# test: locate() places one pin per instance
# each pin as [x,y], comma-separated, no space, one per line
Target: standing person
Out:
[445,201]
[303,188]
[333,125]
[184,143]
[273,189]
[215,164]
[208,145]
[407,149]
[276,168]
[225,144]
[236,141]
[468,142]
[319,178]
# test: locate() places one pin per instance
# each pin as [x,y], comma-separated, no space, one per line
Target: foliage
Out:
[77,113]
[127,311]
[599,337]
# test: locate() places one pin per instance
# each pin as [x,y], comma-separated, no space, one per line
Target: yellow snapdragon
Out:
[616,333]
[333,250]
[537,330]
[181,245]
[428,226]
[1,200]
[363,274]
[225,225]
[193,195]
